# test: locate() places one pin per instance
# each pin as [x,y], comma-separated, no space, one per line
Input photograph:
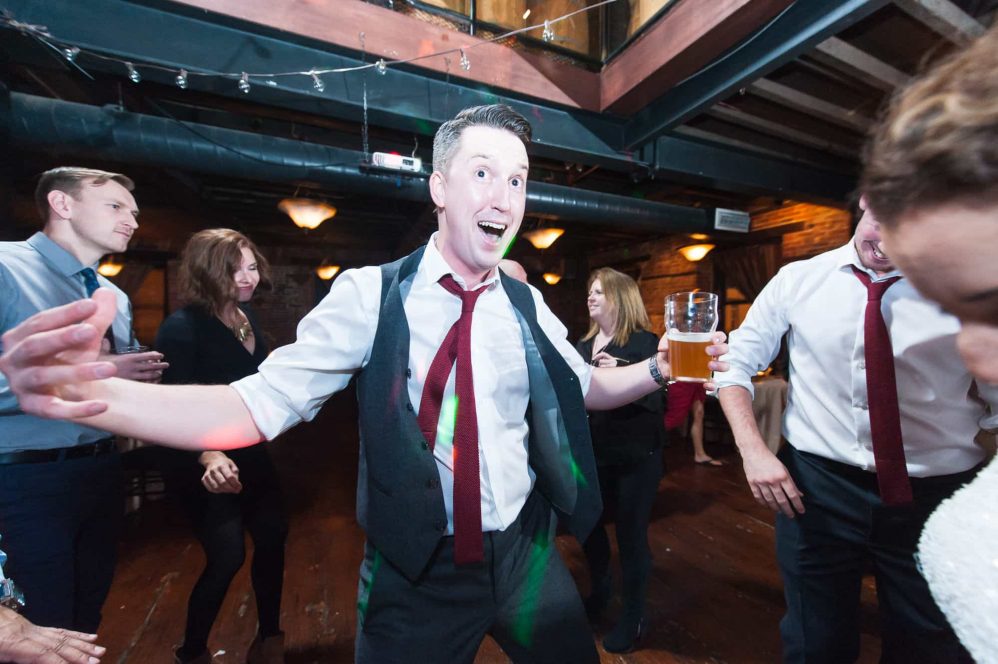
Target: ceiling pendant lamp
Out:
[305,212]
[542,238]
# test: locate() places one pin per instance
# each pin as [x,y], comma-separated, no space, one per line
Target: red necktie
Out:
[882,396]
[467,484]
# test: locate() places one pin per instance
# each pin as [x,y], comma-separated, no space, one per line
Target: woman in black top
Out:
[628,444]
[215,339]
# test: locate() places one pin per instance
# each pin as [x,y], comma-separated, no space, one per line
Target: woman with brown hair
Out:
[215,339]
[628,445]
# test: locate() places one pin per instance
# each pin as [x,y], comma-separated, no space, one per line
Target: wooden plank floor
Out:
[715,593]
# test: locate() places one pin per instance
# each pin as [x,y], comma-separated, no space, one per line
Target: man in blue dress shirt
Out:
[60,501]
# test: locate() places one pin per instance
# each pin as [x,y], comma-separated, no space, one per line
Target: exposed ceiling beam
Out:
[796,30]
[779,129]
[943,17]
[790,152]
[402,99]
[395,36]
[862,65]
[680,43]
[801,101]
[746,172]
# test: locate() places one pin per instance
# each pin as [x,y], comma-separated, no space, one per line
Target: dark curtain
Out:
[748,268]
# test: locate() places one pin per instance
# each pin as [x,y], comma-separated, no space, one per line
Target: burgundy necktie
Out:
[882,396]
[467,484]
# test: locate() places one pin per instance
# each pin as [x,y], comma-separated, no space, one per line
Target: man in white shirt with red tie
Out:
[862,471]
[458,508]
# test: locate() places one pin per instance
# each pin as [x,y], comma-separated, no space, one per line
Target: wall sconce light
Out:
[699,237]
[326,271]
[110,267]
[305,212]
[695,252]
[552,278]
[542,238]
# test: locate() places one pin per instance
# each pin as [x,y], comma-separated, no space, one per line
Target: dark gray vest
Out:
[399,500]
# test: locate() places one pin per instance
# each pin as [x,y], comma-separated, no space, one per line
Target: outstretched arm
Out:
[51,362]
[613,387]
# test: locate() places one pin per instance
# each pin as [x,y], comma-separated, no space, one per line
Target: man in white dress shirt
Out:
[418,601]
[832,523]
[932,176]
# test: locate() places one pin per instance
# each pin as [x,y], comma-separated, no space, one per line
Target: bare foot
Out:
[708,461]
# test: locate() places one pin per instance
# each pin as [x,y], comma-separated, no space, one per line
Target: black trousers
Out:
[629,492]
[522,595]
[220,522]
[824,553]
[60,523]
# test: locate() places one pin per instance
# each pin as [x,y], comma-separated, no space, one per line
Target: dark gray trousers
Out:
[824,553]
[522,595]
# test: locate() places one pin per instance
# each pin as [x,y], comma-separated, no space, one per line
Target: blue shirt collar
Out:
[64,262]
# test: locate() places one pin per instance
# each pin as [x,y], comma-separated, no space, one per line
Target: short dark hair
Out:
[208,263]
[71,179]
[497,116]
[938,142]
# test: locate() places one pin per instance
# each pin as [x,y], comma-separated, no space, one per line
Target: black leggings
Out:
[219,521]
[631,489]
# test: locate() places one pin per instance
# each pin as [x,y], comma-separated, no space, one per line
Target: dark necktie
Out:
[91,283]
[882,396]
[467,484]
[90,280]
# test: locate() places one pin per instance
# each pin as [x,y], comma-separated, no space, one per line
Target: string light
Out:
[70,52]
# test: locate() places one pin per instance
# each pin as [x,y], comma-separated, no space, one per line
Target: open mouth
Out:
[493,229]
[879,255]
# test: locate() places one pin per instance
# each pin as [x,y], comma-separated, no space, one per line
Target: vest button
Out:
[433,483]
[408,407]
[441,526]
[424,445]
[408,373]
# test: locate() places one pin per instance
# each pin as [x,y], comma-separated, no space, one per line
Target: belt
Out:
[59,454]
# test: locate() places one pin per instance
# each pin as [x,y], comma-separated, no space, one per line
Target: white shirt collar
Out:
[434,266]
[847,256]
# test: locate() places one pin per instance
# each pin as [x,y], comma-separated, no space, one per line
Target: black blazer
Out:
[632,432]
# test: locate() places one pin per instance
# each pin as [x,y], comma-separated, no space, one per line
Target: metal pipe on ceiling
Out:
[109,132]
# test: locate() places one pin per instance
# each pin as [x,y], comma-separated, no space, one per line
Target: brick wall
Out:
[824,228]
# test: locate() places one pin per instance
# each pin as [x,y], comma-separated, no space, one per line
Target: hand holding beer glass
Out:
[690,322]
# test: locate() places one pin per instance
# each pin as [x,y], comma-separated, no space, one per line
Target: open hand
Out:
[22,642]
[51,359]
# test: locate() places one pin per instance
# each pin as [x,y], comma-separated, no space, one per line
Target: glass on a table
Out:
[690,322]
[131,348]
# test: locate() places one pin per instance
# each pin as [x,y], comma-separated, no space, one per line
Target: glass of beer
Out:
[690,321]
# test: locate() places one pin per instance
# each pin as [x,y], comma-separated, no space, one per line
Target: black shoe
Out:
[625,637]
[599,598]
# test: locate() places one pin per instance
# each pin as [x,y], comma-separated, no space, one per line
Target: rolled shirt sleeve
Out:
[333,342]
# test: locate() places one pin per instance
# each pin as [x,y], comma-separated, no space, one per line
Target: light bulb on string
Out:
[181,79]
[133,74]
[381,66]
[548,34]
[317,82]
[244,84]
[71,53]
[465,62]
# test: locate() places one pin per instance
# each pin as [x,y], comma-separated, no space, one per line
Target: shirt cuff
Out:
[265,406]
